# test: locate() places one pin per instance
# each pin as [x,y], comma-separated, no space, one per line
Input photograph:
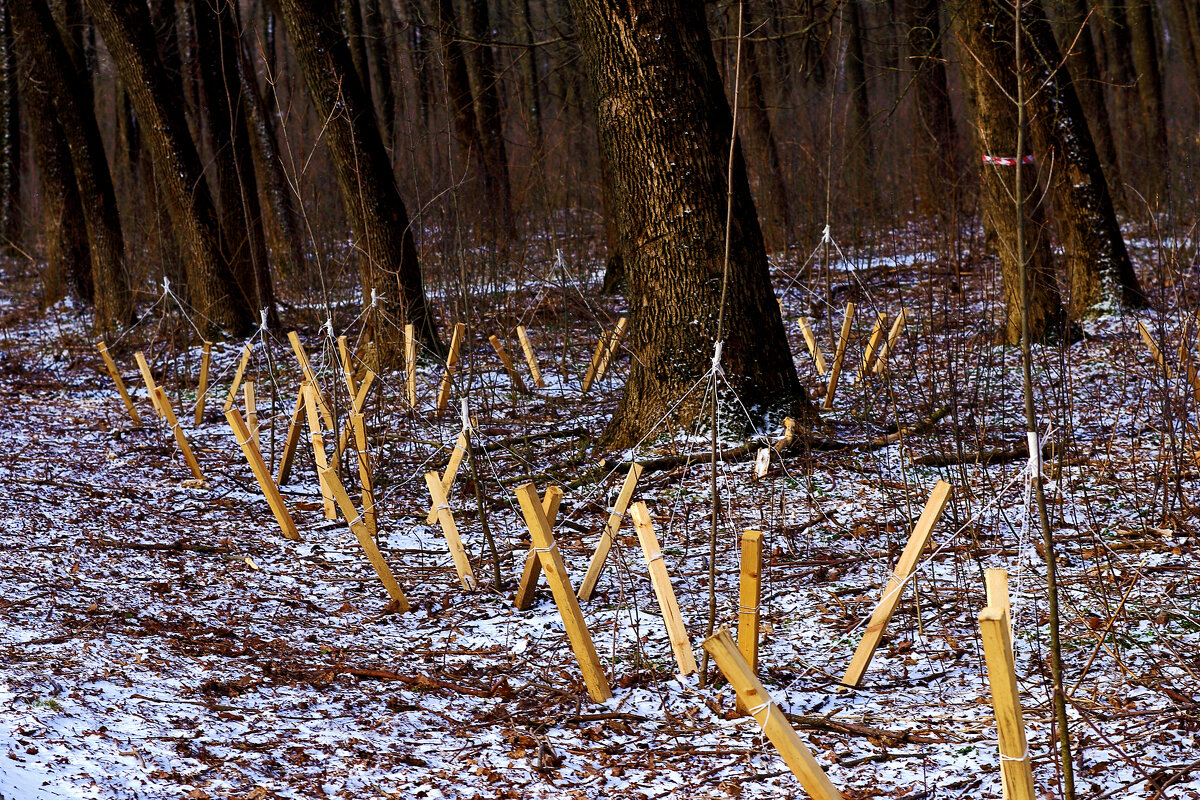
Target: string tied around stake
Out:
[1023,757]
[755,711]
[716,359]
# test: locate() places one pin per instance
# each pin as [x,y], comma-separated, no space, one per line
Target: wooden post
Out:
[895,585]
[311,377]
[365,540]
[318,446]
[456,340]
[814,349]
[506,360]
[242,435]
[749,597]
[533,564]
[180,438]
[445,518]
[1154,351]
[1016,771]
[237,378]
[116,377]
[596,565]
[843,340]
[252,413]
[592,367]
[347,365]
[293,437]
[872,345]
[996,583]
[148,379]
[410,364]
[447,479]
[359,425]
[202,387]
[564,597]
[770,717]
[530,357]
[681,645]
[614,341]
[893,335]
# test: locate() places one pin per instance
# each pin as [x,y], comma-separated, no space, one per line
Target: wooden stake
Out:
[318,446]
[613,342]
[996,583]
[252,413]
[242,435]
[148,379]
[456,340]
[596,565]
[410,364]
[445,518]
[447,479]
[1016,771]
[749,597]
[843,340]
[560,586]
[365,539]
[347,365]
[311,377]
[770,717]
[893,336]
[1154,351]
[293,437]
[202,387]
[814,349]
[533,564]
[895,585]
[180,438]
[498,346]
[237,378]
[681,645]
[359,425]
[872,344]
[116,377]
[592,367]
[530,357]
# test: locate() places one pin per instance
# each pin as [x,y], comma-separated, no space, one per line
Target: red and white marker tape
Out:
[1005,161]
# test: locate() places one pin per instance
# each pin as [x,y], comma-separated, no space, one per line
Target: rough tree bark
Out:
[664,125]
[384,245]
[985,32]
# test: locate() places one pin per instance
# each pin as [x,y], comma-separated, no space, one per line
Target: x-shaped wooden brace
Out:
[533,565]
[447,478]
[445,518]
[610,532]
[358,527]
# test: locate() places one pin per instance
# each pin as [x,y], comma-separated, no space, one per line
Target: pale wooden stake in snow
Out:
[410,364]
[237,378]
[749,597]
[498,346]
[116,377]
[1154,351]
[560,587]
[347,365]
[893,336]
[252,413]
[895,585]
[458,553]
[872,344]
[456,341]
[359,425]
[148,379]
[530,357]
[447,479]
[293,436]
[614,341]
[533,565]
[202,387]
[361,532]
[814,349]
[242,435]
[681,645]
[843,340]
[318,446]
[1015,767]
[180,438]
[311,377]
[770,717]
[996,584]
[592,367]
[596,565]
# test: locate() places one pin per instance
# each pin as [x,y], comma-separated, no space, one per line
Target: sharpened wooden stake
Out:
[560,587]
[614,341]
[1154,351]
[814,349]
[237,378]
[770,717]
[843,341]
[596,565]
[507,361]
[890,344]
[872,345]
[252,413]
[180,437]
[895,585]
[530,357]
[361,532]
[242,435]
[293,437]
[358,424]
[410,364]
[996,584]
[202,387]
[533,564]
[458,553]
[447,479]
[1016,771]
[318,446]
[148,379]
[681,645]
[116,377]
[595,364]
[456,341]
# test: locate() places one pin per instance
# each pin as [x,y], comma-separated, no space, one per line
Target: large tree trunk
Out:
[386,252]
[213,292]
[935,136]
[1143,36]
[1098,267]
[10,140]
[985,30]
[378,42]
[69,90]
[485,88]
[665,129]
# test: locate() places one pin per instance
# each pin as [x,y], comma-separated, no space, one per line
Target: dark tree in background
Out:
[934,134]
[10,140]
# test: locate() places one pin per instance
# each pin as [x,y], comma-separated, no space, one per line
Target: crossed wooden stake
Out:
[439,488]
[596,565]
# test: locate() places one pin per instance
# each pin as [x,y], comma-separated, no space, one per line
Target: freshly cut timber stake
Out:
[410,364]
[237,378]
[507,361]
[447,479]
[293,436]
[681,645]
[1016,771]
[456,341]
[814,349]
[893,336]
[839,356]
[445,518]
[872,343]
[596,565]
[116,377]
[202,387]
[533,564]
[241,434]
[180,437]
[530,357]
[148,379]
[361,532]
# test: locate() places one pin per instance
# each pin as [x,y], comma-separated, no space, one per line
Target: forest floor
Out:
[161,639]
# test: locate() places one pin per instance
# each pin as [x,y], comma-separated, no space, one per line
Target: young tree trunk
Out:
[1099,272]
[665,130]
[985,31]
[1185,31]
[1143,37]
[10,140]
[386,251]
[69,91]
[218,300]
[531,90]
[935,136]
